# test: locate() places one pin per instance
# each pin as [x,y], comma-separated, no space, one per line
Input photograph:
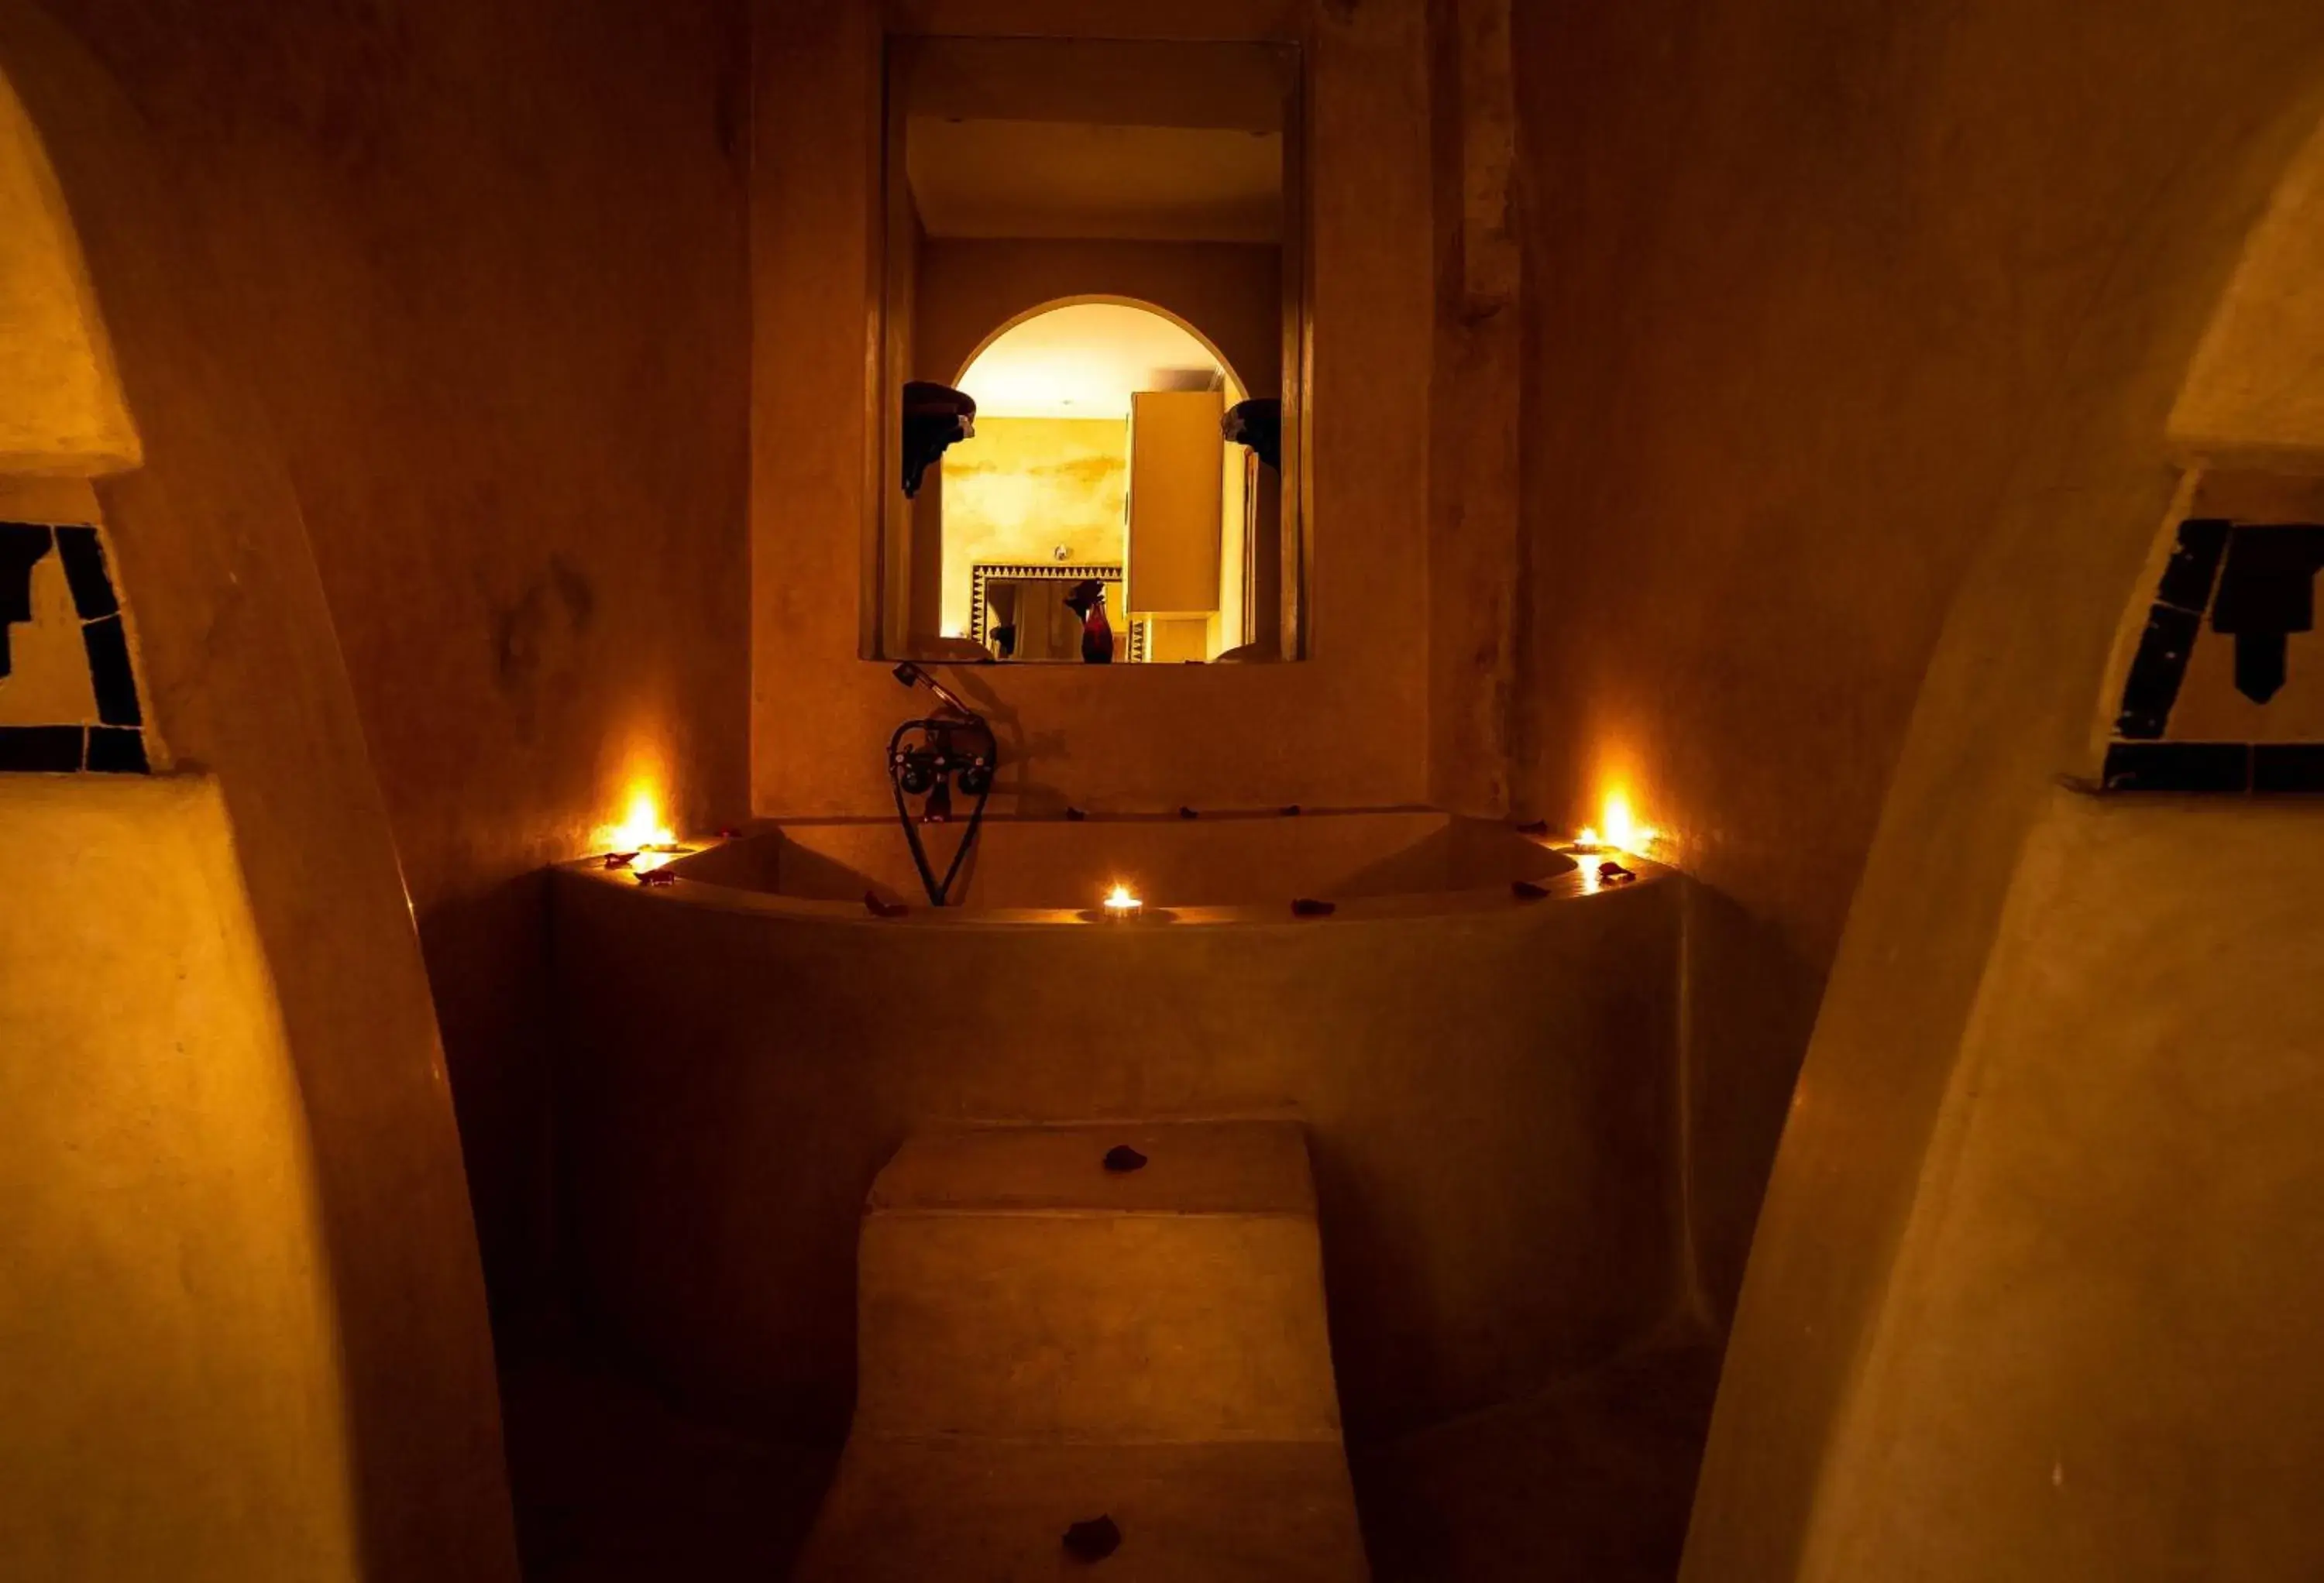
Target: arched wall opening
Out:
[1043,487]
[236,1257]
[2033,1284]
[1042,309]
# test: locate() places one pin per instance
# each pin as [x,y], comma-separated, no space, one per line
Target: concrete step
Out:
[1043,1341]
[976,1510]
[1192,1168]
[1010,1285]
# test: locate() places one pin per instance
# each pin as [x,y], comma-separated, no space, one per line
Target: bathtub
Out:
[1216,867]
[1487,1071]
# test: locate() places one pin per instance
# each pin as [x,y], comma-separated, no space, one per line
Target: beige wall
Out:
[171,1404]
[243,678]
[1347,727]
[1026,485]
[59,406]
[2255,390]
[1233,294]
[1850,430]
[1840,264]
[483,265]
[2097,1358]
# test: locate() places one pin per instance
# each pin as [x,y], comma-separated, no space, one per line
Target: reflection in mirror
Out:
[1050,613]
[1093,256]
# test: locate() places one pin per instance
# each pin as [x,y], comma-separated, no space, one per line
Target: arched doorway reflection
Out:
[1099,457]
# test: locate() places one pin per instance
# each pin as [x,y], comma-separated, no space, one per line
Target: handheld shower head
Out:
[911,676]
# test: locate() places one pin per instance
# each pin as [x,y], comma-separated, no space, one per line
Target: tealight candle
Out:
[1120,905]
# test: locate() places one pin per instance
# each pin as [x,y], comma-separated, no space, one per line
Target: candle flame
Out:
[641,830]
[1623,832]
[1120,898]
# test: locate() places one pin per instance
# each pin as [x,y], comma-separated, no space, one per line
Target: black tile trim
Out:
[115,750]
[85,573]
[2288,767]
[110,672]
[39,749]
[2194,566]
[2151,688]
[2179,767]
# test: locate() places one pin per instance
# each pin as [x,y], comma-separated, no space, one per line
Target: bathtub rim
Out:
[1578,883]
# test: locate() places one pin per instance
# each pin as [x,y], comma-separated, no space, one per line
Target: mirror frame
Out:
[984,571]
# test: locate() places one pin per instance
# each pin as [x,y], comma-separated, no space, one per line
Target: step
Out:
[1010,1286]
[1192,1167]
[982,1511]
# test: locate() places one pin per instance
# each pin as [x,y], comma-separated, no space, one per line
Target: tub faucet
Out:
[925,757]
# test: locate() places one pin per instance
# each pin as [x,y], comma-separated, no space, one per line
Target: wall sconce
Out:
[936,418]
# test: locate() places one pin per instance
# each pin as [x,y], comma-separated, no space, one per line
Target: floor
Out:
[1589,1482]
[613,1483]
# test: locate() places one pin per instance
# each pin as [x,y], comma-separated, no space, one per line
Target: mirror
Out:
[1091,333]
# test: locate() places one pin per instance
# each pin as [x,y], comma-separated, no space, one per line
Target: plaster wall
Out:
[2097,1358]
[172,1401]
[241,675]
[1233,294]
[1028,485]
[1346,727]
[2253,394]
[1808,287]
[482,265]
[60,408]
[1859,415]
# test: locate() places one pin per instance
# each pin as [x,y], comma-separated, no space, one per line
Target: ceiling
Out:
[1046,179]
[1084,360]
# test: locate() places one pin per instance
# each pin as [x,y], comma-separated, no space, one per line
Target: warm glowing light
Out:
[1623,832]
[1120,903]
[640,831]
[1589,839]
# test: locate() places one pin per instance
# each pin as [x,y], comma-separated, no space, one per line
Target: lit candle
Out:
[1120,905]
[643,838]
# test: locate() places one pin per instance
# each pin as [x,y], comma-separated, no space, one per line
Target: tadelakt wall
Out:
[483,265]
[1804,282]
[1030,485]
[1854,332]
[1345,728]
[172,1404]
[59,406]
[318,1393]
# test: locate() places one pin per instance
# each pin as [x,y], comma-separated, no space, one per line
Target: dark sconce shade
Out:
[1259,425]
[935,419]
